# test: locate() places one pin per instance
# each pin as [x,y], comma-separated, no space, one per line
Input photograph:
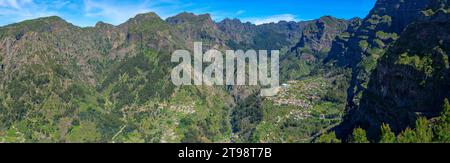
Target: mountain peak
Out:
[192,15]
[52,18]
[143,18]
[101,24]
[186,17]
[231,20]
[44,24]
[149,15]
[354,19]
[47,20]
[228,21]
[327,17]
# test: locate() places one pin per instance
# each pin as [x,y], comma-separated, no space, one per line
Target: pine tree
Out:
[442,128]
[328,138]
[445,116]
[443,133]
[407,136]
[359,136]
[387,136]
[424,133]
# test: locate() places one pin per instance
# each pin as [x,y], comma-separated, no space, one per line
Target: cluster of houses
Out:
[285,97]
[294,102]
[300,114]
[185,109]
[301,95]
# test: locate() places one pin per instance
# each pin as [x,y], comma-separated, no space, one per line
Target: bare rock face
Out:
[396,80]
[237,30]
[317,37]
[412,79]
[401,12]
[388,16]
[363,45]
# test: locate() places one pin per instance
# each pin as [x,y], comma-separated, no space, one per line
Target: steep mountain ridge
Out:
[411,81]
[70,84]
[388,90]
[63,83]
[318,36]
[366,43]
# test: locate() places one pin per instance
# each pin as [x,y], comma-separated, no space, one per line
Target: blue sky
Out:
[88,12]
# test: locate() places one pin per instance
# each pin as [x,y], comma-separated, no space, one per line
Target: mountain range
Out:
[63,83]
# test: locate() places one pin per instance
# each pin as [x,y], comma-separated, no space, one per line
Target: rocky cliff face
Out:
[237,30]
[365,44]
[282,35]
[396,79]
[193,28]
[313,46]
[411,81]
[387,19]
[317,37]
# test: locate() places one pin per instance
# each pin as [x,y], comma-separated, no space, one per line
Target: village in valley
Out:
[299,103]
[301,94]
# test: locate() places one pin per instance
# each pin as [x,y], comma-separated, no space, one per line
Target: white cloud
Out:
[115,12]
[19,10]
[240,12]
[17,4]
[60,3]
[271,19]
